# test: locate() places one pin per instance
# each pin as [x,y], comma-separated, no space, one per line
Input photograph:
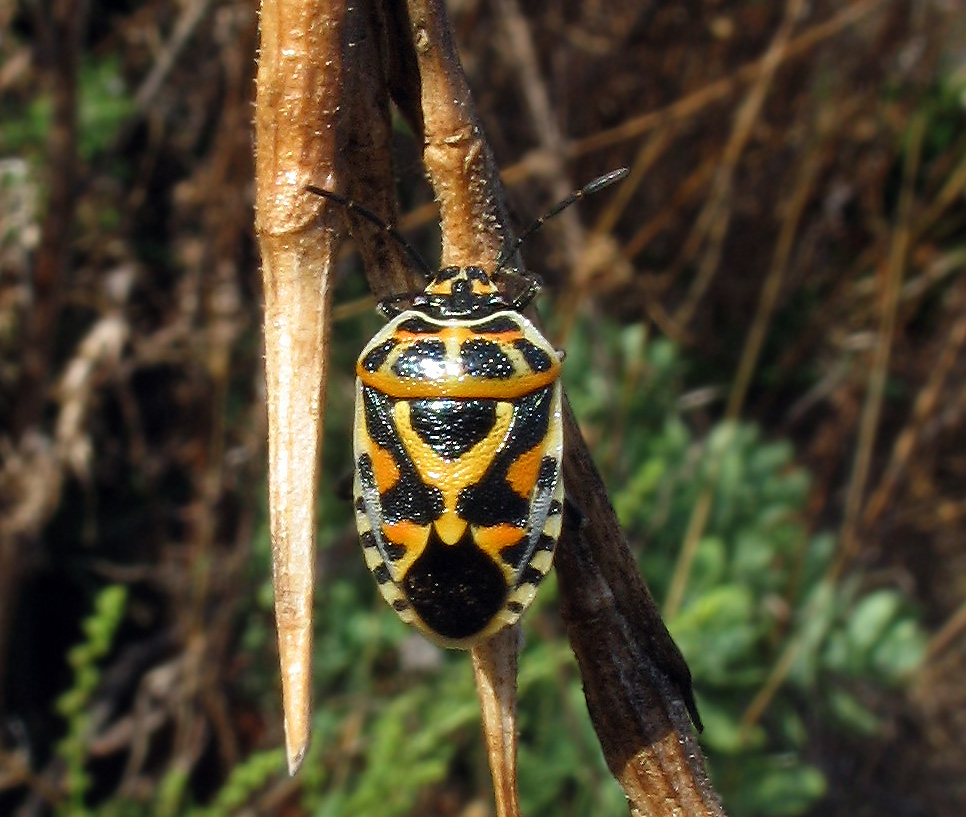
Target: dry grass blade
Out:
[871,410]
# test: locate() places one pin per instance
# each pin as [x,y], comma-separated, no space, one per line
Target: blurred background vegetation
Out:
[766,346]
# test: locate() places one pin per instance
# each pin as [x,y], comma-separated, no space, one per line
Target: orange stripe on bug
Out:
[524,470]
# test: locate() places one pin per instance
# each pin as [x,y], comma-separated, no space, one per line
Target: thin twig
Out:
[875,393]
[927,402]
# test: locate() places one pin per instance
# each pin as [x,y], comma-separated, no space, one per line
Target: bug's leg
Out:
[532,285]
[574,518]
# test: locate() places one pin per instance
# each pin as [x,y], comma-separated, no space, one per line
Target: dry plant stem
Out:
[495,668]
[637,685]
[297,96]
[947,635]
[60,28]
[928,401]
[872,408]
[473,223]
[773,282]
[365,143]
[520,50]
[190,17]
[472,216]
[713,222]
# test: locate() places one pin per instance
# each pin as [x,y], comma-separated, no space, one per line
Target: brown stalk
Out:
[495,669]
[297,95]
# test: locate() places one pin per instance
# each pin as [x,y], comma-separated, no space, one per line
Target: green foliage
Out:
[103,105]
[73,706]
[761,620]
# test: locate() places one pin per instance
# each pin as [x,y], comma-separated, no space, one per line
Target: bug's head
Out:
[462,292]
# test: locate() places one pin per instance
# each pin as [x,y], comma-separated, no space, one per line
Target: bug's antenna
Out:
[382,224]
[597,184]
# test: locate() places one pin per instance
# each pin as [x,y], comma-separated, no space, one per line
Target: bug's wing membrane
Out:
[546,505]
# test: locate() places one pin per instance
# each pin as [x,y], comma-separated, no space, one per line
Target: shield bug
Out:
[458,447]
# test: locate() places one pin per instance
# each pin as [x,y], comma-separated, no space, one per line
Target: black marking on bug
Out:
[485,359]
[530,575]
[555,507]
[547,477]
[364,466]
[455,589]
[545,543]
[452,427]
[491,501]
[381,574]
[497,325]
[395,552]
[377,357]
[399,605]
[419,326]
[537,359]
[516,555]
[410,365]
[409,499]
[444,274]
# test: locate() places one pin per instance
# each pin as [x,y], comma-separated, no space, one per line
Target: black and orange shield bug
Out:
[458,438]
